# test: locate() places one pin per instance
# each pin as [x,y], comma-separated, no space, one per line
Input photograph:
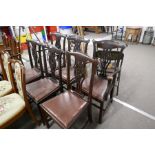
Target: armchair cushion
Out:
[10,106]
[5,88]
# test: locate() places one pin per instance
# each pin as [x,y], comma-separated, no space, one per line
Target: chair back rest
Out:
[75,44]
[81,60]
[5,56]
[107,45]
[17,74]
[52,60]
[58,40]
[10,43]
[33,52]
[114,58]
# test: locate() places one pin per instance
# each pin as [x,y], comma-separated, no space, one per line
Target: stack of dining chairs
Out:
[48,60]
[65,61]
[71,43]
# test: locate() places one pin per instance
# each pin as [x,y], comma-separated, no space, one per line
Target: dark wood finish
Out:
[59,40]
[33,73]
[109,45]
[75,44]
[16,90]
[43,89]
[65,108]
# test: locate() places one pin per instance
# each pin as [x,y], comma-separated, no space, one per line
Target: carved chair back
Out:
[52,57]
[33,52]
[59,41]
[75,44]
[107,45]
[107,58]
[79,71]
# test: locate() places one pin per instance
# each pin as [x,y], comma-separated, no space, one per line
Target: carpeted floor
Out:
[137,88]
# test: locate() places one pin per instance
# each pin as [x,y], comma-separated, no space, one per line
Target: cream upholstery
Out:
[10,106]
[18,77]
[5,88]
[6,67]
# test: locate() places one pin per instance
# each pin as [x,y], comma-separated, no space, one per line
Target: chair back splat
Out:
[77,44]
[81,61]
[59,41]
[52,57]
[107,45]
[33,48]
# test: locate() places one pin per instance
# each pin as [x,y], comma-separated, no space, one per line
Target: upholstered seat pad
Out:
[65,108]
[41,88]
[10,106]
[5,87]
[32,74]
[64,73]
[99,87]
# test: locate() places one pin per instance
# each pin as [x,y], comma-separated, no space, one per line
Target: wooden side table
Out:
[135,33]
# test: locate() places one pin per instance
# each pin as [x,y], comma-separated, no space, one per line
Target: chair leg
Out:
[118,83]
[112,94]
[32,116]
[44,117]
[90,114]
[101,113]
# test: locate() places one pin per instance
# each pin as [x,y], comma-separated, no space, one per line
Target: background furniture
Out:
[134,33]
[117,32]
[96,29]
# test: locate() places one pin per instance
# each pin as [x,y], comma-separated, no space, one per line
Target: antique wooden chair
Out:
[109,45]
[14,105]
[59,40]
[77,44]
[104,82]
[33,72]
[5,84]
[65,108]
[12,46]
[74,45]
[48,85]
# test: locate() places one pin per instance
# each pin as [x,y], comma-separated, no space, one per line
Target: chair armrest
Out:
[112,74]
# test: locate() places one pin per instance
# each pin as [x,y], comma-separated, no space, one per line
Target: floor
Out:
[134,107]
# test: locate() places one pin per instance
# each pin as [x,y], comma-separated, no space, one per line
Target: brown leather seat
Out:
[32,74]
[65,108]
[42,88]
[99,87]
[64,74]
